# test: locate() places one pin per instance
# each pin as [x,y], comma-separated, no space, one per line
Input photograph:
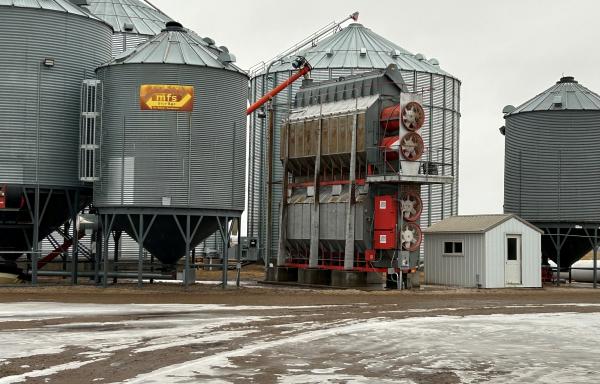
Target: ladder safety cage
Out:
[88,125]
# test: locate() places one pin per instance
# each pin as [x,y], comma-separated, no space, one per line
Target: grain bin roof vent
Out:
[557,101]
[173,26]
[566,79]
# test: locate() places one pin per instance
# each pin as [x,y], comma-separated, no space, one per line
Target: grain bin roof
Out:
[474,223]
[358,47]
[50,5]
[144,19]
[566,94]
[174,45]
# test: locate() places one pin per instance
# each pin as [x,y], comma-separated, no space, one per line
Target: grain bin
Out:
[47,49]
[552,146]
[172,142]
[133,21]
[353,50]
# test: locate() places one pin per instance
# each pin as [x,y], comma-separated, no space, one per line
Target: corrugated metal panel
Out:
[145,155]
[343,50]
[174,46]
[144,19]
[50,5]
[125,41]
[531,254]
[473,223]
[551,166]
[566,94]
[76,54]
[453,270]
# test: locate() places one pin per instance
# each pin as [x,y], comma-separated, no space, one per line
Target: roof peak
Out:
[178,46]
[566,79]
[358,47]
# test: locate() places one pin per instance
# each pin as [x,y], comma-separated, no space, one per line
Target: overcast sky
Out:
[504,52]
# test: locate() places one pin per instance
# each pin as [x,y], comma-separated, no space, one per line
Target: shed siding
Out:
[455,270]
[531,254]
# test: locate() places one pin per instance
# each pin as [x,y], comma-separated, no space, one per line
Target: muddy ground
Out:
[271,334]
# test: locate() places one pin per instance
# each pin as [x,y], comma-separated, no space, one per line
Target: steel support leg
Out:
[140,251]
[351,206]
[186,272]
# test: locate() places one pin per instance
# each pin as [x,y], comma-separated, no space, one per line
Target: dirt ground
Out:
[262,333]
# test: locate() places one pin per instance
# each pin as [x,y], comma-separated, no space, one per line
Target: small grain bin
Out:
[172,156]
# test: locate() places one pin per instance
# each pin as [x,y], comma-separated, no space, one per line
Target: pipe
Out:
[307,68]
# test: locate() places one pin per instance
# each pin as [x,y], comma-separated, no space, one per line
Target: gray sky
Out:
[504,52]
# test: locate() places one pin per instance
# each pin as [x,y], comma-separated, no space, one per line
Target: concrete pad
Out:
[314,276]
[348,279]
[282,274]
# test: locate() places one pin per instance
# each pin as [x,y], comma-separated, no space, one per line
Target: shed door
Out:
[512,271]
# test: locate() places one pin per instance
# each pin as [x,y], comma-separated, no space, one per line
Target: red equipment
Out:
[2,196]
[389,119]
[386,212]
[385,239]
[305,68]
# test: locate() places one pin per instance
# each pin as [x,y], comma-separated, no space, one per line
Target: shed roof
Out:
[174,45]
[145,19]
[474,223]
[358,47]
[566,94]
[50,5]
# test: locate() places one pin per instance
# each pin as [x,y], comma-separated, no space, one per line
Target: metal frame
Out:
[559,233]
[37,211]
[184,220]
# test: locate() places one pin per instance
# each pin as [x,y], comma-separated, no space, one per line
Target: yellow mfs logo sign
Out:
[167,97]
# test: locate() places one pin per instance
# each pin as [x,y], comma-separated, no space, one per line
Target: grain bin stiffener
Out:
[353,146]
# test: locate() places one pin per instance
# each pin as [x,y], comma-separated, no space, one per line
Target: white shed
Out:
[487,251]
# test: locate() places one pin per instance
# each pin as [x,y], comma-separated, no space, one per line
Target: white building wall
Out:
[531,254]
[462,270]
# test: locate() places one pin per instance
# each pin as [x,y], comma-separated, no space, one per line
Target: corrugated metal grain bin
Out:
[46,49]
[552,177]
[165,160]
[355,50]
[133,21]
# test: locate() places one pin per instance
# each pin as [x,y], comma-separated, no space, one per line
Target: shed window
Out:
[453,247]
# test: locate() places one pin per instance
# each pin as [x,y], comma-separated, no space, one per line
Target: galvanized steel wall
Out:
[552,171]
[146,155]
[125,41]
[455,270]
[441,97]
[40,105]
[531,255]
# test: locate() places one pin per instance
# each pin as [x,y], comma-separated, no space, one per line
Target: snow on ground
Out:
[294,349]
[494,348]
